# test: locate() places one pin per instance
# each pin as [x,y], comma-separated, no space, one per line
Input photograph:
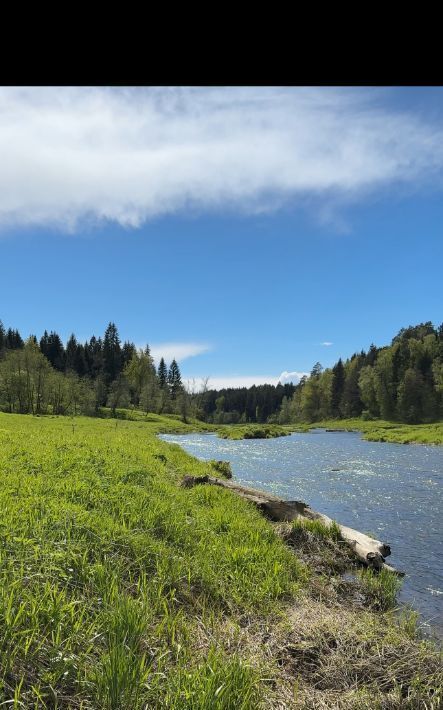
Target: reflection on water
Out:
[392,491]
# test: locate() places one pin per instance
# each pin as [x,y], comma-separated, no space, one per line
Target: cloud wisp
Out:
[70,155]
[177,351]
[327,343]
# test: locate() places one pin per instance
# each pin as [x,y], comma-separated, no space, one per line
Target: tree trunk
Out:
[369,551]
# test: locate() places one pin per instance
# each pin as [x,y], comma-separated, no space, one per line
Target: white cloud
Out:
[327,343]
[294,377]
[179,351]
[224,381]
[128,155]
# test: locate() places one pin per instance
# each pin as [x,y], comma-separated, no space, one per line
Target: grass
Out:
[381,588]
[252,431]
[107,565]
[223,468]
[317,528]
[121,590]
[379,430]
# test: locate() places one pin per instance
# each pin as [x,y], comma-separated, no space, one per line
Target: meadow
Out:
[119,589]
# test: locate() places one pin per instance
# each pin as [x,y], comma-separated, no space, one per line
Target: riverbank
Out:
[120,588]
[379,430]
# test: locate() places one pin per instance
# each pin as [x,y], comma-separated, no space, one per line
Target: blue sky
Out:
[238,230]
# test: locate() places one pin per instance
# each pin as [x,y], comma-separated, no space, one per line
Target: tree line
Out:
[401,382]
[40,377]
[259,403]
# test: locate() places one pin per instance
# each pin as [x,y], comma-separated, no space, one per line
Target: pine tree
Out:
[2,337]
[338,381]
[14,340]
[71,353]
[351,403]
[112,354]
[162,374]
[96,352]
[174,380]
[128,352]
[44,344]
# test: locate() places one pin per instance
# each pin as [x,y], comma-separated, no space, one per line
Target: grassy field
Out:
[120,590]
[379,430]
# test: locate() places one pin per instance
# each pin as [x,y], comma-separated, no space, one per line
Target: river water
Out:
[392,491]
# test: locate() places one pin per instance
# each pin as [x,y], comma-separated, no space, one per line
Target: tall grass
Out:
[119,589]
[107,565]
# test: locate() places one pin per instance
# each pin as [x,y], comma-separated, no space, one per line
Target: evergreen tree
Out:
[371,357]
[80,365]
[14,340]
[174,380]
[2,337]
[162,374]
[71,353]
[56,351]
[128,351]
[337,387]
[44,344]
[96,353]
[351,403]
[112,354]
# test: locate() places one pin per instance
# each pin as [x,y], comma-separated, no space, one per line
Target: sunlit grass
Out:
[106,565]
[379,430]
[121,590]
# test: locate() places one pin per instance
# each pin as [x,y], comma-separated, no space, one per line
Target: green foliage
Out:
[270,431]
[401,382]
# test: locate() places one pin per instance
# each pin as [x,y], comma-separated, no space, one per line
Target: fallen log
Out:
[369,551]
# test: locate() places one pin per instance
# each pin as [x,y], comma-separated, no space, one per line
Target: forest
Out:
[401,382]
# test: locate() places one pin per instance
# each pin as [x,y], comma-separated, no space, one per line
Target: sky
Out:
[249,232]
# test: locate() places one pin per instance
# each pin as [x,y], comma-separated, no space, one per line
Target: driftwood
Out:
[369,551]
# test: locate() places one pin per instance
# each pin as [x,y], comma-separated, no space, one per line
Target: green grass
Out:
[121,590]
[223,468]
[252,431]
[381,588]
[107,567]
[317,528]
[379,430]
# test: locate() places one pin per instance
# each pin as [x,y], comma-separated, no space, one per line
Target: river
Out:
[392,491]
